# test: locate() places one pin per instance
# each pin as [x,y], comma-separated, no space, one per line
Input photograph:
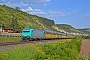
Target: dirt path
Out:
[85,48]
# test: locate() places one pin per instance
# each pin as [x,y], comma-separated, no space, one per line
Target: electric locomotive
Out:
[30,34]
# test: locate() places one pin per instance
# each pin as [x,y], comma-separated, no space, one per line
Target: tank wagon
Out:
[32,34]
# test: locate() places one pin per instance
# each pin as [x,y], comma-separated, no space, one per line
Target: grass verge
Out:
[9,39]
[64,50]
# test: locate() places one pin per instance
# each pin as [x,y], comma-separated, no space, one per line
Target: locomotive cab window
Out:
[26,30]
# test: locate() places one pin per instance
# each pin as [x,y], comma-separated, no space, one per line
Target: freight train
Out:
[32,34]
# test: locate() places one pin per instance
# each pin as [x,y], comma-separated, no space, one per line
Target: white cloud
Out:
[2,0]
[87,16]
[20,3]
[36,1]
[31,1]
[40,12]
[74,11]
[68,13]
[25,4]
[34,11]
[29,9]
[58,14]
[12,5]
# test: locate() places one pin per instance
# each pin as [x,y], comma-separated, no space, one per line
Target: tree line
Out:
[14,24]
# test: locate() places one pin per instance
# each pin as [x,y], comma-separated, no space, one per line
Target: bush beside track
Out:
[64,50]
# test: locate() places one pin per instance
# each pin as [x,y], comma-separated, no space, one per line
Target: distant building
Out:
[8,30]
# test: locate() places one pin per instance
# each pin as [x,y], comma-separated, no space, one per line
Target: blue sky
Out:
[72,12]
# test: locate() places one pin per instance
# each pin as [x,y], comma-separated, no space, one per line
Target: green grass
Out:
[64,50]
[9,39]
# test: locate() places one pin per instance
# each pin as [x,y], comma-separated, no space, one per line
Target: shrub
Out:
[63,50]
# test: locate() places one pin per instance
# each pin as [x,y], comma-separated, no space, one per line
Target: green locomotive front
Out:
[30,34]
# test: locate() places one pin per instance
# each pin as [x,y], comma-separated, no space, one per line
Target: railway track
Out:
[11,45]
[32,42]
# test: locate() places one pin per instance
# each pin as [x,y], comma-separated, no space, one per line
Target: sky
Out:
[72,12]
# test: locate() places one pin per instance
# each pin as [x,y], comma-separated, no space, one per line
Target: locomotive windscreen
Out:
[26,30]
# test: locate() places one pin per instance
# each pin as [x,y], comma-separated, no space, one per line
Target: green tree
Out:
[17,8]
[15,24]
[3,25]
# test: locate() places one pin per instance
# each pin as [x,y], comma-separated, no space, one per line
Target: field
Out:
[9,39]
[64,50]
[85,48]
